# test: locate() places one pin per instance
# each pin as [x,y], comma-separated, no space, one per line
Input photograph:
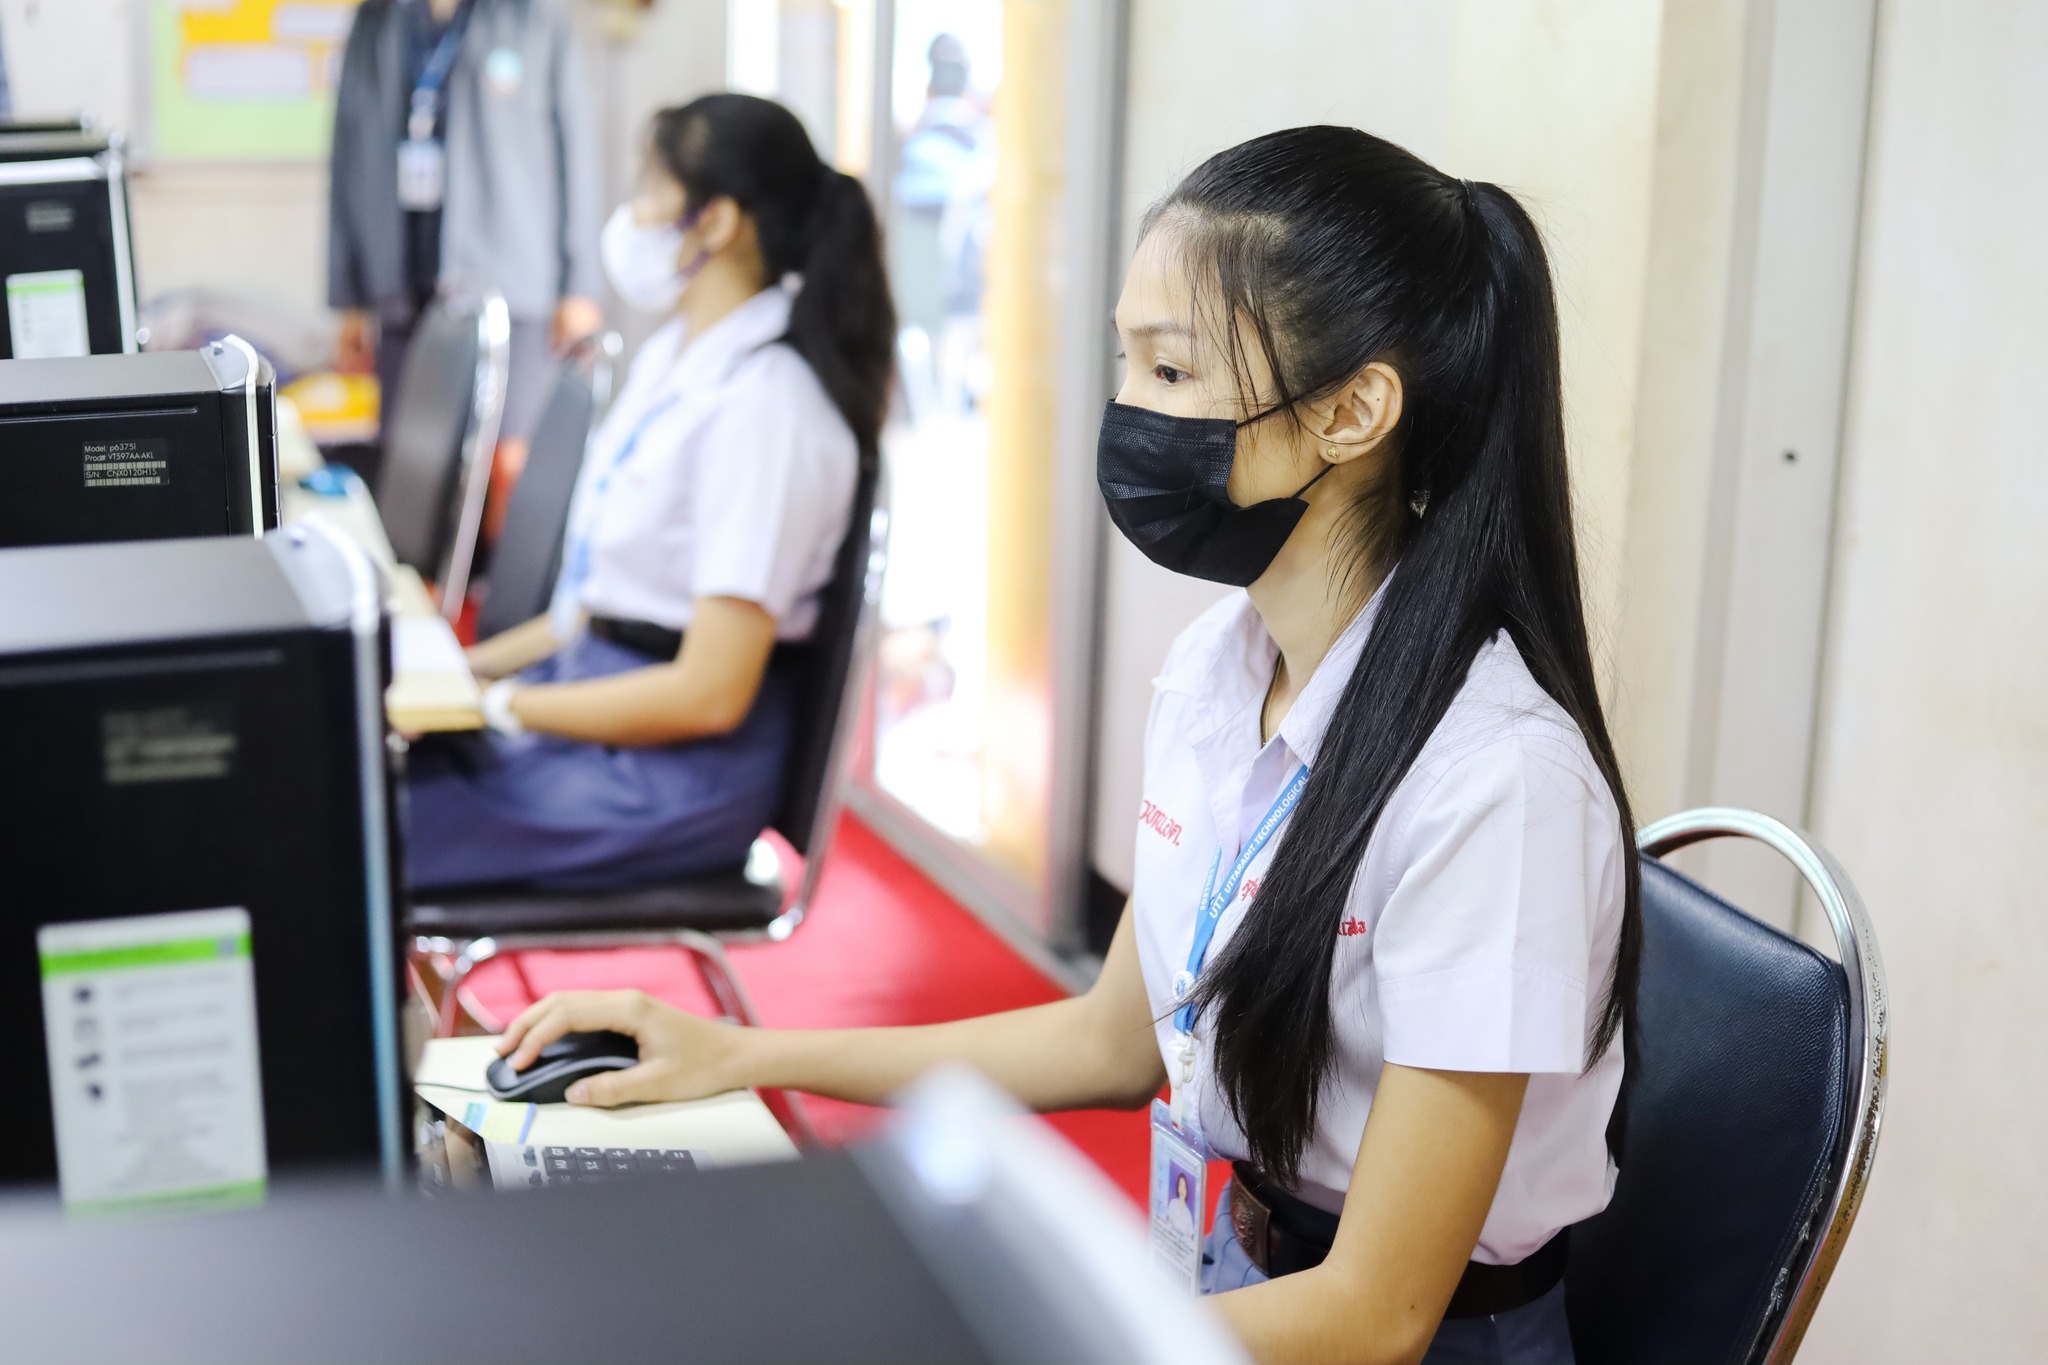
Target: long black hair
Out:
[1341,249]
[811,219]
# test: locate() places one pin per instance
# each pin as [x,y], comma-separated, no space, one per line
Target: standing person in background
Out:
[463,157]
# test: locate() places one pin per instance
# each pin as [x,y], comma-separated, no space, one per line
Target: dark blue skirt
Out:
[559,813]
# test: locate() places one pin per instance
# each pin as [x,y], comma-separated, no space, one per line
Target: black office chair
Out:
[528,556]
[456,931]
[440,436]
[1748,1120]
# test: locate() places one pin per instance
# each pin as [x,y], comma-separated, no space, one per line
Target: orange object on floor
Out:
[506,467]
[881,946]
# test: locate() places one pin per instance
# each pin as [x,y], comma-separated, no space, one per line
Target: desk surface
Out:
[793,1262]
[726,1130]
[428,692]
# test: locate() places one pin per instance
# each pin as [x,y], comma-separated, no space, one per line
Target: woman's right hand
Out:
[683,1056]
[355,344]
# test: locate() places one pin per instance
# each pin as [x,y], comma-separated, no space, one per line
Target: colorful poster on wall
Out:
[243,80]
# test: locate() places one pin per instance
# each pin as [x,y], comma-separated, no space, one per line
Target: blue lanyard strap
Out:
[655,412]
[1216,899]
[434,75]
[576,559]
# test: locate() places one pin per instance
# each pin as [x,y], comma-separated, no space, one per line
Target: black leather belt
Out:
[663,644]
[1281,1234]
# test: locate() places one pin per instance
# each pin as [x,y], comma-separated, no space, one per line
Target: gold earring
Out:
[1331,451]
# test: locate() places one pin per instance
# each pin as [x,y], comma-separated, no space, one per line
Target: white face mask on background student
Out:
[641,260]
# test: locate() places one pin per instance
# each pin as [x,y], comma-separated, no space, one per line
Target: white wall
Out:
[1557,101]
[72,56]
[1933,773]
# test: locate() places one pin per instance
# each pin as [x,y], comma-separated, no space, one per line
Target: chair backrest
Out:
[440,433]
[528,555]
[814,772]
[1748,1120]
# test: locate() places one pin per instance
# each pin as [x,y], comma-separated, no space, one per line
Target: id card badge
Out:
[422,174]
[1179,1193]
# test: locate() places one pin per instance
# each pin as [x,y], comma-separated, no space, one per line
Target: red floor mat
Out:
[881,946]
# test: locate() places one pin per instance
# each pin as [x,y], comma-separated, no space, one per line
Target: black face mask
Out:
[1167,479]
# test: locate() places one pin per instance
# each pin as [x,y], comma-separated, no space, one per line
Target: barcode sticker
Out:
[141,463]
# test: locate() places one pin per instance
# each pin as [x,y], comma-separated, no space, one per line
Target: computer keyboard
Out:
[535,1167]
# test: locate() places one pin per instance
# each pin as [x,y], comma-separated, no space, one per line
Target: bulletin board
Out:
[242,80]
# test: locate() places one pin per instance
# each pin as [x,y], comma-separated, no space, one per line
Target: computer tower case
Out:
[155,446]
[198,726]
[67,258]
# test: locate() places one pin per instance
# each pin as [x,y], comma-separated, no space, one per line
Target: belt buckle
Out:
[1252,1221]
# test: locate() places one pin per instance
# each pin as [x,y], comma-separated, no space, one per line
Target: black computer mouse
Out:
[560,1065]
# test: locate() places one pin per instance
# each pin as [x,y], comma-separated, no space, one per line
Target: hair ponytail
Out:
[1342,249]
[811,220]
[843,321]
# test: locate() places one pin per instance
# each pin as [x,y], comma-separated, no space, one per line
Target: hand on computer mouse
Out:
[683,1056]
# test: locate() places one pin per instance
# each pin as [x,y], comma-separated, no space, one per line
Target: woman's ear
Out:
[720,225]
[1362,414]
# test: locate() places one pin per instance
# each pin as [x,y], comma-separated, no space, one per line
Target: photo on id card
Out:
[1179,1178]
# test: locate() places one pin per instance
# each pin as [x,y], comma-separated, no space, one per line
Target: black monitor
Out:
[155,446]
[199,956]
[67,260]
[946,1238]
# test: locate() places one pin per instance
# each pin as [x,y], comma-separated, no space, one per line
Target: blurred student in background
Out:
[638,730]
[463,157]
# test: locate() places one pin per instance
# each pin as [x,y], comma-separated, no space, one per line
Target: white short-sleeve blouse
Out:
[1483,921]
[722,470]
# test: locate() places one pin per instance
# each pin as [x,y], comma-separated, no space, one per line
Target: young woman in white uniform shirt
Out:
[640,727]
[1382,939]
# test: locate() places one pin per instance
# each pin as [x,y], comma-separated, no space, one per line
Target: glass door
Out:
[993,233]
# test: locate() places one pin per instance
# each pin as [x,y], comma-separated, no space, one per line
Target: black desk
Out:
[781,1263]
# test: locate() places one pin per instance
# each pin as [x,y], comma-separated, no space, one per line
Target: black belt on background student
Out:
[662,644]
[1281,1234]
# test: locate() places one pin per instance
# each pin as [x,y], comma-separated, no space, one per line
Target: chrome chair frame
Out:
[479,449]
[1856,947]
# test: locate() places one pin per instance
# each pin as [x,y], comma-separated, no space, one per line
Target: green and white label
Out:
[150,1022]
[46,314]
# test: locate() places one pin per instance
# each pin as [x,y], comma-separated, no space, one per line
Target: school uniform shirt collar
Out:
[718,350]
[1308,720]
[1232,670]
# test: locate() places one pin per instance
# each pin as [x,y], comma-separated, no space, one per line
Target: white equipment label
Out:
[150,1022]
[143,463]
[46,314]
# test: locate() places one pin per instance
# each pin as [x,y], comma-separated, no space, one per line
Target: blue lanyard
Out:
[1216,899]
[654,413]
[426,95]
[576,563]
